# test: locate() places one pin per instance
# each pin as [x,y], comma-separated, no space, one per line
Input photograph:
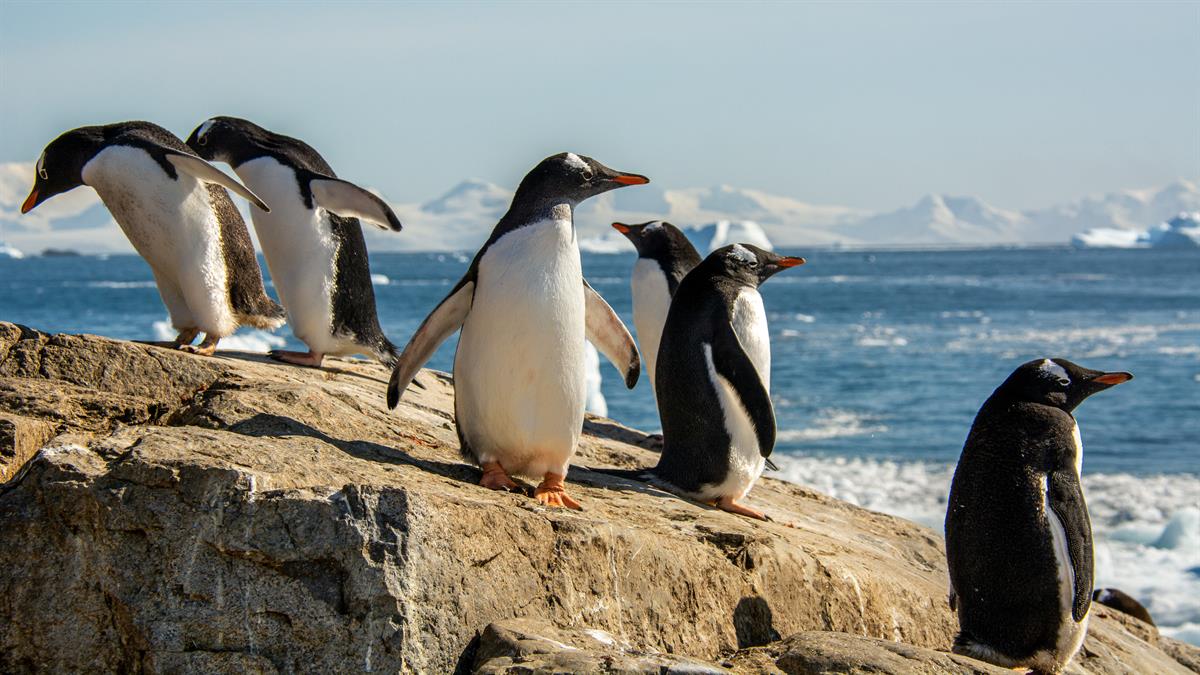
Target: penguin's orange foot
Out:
[206,347]
[552,493]
[496,478]
[727,504]
[309,358]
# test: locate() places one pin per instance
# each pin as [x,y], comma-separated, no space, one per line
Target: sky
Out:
[869,105]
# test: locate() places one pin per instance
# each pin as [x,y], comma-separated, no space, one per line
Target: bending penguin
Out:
[173,207]
[525,311]
[714,379]
[311,239]
[1018,537]
[664,256]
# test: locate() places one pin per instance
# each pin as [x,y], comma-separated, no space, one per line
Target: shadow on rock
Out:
[752,622]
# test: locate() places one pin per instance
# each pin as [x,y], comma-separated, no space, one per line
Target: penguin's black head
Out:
[747,263]
[568,177]
[654,239]
[1058,383]
[222,139]
[60,168]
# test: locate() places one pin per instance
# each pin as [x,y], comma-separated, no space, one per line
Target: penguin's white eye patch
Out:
[742,254]
[41,167]
[653,225]
[1053,371]
[576,162]
[203,131]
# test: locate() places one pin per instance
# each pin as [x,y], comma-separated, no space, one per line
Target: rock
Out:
[524,646]
[232,514]
[822,652]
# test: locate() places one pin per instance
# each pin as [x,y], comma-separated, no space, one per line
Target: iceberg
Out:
[710,237]
[1180,232]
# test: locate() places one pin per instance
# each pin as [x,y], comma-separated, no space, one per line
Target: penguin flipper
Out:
[732,363]
[350,201]
[201,170]
[446,318]
[1066,501]
[606,331]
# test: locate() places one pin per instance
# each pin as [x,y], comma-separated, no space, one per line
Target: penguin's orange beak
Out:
[621,227]
[788,261]
[630,179]
[30,201]
[1113,378]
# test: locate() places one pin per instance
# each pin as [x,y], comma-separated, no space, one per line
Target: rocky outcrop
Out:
[188,514]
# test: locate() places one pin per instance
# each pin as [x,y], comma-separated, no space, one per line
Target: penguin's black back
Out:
[696,443]
[999,546]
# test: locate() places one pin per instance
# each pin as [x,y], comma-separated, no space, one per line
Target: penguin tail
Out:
[387,352]
[268,315]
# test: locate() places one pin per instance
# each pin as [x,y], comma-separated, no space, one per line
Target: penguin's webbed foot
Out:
[728,504]
[496,478]
[185,337]
[552,493]
[206,347]
[309,358]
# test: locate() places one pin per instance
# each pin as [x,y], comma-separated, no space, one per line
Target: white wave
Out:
[833,423]
[245,340]
[595,404]
[879,336]
[1146,528]
[380,279]
[121,284]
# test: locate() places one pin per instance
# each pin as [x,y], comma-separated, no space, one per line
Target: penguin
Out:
[664,256]
[1018,536]
[525,311]
[1122,602]
[714,379]
[174,208]
[311,239]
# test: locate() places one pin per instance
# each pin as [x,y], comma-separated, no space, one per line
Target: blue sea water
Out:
[880,361]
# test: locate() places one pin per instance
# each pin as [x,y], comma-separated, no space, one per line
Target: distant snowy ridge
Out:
[1180,232]
[461,218]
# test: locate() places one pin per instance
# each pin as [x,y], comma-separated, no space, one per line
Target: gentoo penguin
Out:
[664,256]
[714,378]
[525,311]
[311,238]
[173,207]
[1018,537]
[1122,602]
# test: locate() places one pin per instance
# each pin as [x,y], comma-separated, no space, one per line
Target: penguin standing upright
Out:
[1018,537]
[664,256]
[714,378]
[525,311]
[173,207]
[311,238]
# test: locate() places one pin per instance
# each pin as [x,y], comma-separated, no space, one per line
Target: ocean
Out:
[880,361]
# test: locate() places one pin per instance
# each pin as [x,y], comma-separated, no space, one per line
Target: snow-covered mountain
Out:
[463,216]
[939,220]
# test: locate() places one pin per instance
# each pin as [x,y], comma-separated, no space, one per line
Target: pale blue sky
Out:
[868,105]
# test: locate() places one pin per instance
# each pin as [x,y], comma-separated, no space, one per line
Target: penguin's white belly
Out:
[518,372]
[171,223]
[1070,632]
[300,250]
[750,326]
[745,459]
[651,300]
